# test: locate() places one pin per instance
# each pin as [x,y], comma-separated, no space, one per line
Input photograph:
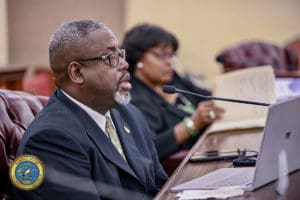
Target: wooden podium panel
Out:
[11,77]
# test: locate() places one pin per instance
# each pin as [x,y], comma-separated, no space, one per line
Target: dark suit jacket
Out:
[163,116]
[80,161]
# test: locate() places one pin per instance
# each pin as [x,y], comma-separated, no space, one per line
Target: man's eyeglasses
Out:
[111,60]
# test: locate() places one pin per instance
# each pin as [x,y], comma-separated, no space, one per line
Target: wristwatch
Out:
[190,126]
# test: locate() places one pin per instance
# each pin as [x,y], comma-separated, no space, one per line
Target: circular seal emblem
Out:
[27,172]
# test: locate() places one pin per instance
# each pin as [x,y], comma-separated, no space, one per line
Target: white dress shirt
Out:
[97,117]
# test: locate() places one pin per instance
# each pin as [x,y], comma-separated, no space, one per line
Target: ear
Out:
[75,73]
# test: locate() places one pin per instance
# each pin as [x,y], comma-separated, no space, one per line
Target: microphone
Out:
[170,89]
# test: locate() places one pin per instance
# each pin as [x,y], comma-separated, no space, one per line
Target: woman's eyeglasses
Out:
[163,56]
[111,60]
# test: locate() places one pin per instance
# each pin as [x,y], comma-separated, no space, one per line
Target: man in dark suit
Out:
[93,145]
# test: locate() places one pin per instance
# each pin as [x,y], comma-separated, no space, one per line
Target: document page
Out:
[251,84]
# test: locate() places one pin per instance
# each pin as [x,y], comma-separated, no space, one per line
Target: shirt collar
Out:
[97,117]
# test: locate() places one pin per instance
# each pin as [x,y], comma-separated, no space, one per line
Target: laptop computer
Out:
[281,133]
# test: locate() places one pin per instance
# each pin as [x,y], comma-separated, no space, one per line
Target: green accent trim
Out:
[189,108]
[190,131]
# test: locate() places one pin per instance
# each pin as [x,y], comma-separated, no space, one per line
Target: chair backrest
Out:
[17,110]
[295,45]
[257,53]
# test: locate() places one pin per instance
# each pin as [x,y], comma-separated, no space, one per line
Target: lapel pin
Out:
[127,129]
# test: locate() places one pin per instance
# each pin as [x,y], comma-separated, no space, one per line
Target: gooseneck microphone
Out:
[172,89]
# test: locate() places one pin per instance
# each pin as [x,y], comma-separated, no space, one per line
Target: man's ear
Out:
[74,72]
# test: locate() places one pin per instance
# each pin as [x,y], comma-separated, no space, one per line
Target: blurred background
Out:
[203,27]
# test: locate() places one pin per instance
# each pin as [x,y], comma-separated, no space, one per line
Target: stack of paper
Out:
[251,84]
[222,193]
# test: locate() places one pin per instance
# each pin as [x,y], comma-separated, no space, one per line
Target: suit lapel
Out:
[97,136]
[107,148]
[144,90]
[174,110]
[132,154]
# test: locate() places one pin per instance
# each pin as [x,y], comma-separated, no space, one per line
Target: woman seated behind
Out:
[176,120]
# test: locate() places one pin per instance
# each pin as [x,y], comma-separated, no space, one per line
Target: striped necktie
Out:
[112,135]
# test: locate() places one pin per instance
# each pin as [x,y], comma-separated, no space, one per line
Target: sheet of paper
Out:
[238,124]
[238,177]
[221,193]
[252,84]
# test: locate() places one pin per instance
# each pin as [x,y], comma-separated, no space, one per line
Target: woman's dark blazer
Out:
[163,116]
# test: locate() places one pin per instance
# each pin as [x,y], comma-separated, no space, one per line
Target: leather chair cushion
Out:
[256,53]
[17,110]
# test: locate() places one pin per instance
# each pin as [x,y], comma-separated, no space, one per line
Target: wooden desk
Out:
[230,140]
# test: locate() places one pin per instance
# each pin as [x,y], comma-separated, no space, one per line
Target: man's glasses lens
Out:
[114,58]
[111,60]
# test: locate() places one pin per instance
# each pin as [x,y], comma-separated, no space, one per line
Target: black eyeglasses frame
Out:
[121,53]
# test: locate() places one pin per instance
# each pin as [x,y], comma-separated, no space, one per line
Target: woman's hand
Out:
[205,113]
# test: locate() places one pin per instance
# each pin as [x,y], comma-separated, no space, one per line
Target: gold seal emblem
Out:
[27,172]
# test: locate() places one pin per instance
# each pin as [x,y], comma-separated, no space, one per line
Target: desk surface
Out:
[223,141]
